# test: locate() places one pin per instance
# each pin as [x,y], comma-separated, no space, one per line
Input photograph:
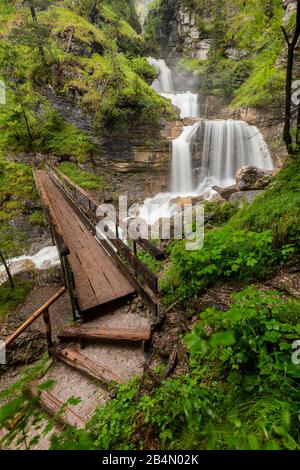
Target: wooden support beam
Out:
[84,365]
[107,334]
[47,322]
[53,406]
[69,283]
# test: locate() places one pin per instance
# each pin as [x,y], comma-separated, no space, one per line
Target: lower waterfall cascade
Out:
[227,145]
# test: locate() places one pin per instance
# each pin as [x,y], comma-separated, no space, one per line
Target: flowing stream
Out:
[225,146]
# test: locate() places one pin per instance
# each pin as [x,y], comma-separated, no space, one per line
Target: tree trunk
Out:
[32,10]
[291,45]
[27,124]
[288,97]
[10,278]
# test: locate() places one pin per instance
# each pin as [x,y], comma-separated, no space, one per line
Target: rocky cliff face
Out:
[187,36]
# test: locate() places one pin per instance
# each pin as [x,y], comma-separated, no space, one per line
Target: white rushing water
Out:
[186,101]
[45,258]
[181,169]
[229,145]
[206,154]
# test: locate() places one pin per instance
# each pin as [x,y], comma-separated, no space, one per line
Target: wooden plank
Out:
[85,294]
[90,205]
[58,235]
[98,281]
[135,262]
[53,407]
[84,365]
[112,275]
[106,334]
[145,293]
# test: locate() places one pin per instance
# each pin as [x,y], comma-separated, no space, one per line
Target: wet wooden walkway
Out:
[98,282]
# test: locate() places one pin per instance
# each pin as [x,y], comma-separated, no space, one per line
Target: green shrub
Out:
[277,208]
[227,253]
[85,179]
[153,264]
[37,218]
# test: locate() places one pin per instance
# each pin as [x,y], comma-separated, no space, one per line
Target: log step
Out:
[107,334]
[53,407]
[84,365]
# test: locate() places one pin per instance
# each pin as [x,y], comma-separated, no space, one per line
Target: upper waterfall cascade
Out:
[186,101]
[207,153]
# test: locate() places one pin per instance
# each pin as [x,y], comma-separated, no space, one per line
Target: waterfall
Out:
[227,146]
[164,81]
[206,154]
[181,171]
[187,102]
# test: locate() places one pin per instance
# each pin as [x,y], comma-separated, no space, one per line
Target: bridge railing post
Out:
[69,284]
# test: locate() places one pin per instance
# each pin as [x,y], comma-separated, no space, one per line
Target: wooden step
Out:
[84,365]
[53,406]
[107,334]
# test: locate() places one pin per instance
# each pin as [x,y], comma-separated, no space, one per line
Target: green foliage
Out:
[111,425]
[37,218]
[97,62]
[10,298]
[227,253]
[246,43]
[278,208]
[251,341]
[64,140]
[153,264]
[142,68]
[83,178]
[240,392]
[220,213]
[17,189]
[30,423]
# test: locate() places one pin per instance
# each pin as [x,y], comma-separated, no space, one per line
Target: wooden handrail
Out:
[93,204]
[40,311]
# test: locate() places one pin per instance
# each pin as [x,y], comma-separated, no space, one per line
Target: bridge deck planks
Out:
[98,281]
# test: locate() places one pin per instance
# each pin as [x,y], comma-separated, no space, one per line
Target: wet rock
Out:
[244,196]
[250,178]
[189,121]
[225,193]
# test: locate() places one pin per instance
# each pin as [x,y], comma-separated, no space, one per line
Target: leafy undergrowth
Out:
[241,392]
[17,189]
[256,238]
[83,178]
[89,55]
[153,264]
[10,298]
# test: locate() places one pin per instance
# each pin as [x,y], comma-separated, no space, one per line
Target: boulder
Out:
[250,178]
[225,193]
[189,200]
[244,196]
[189,121]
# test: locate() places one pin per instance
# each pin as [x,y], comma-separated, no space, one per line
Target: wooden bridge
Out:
[100,275]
